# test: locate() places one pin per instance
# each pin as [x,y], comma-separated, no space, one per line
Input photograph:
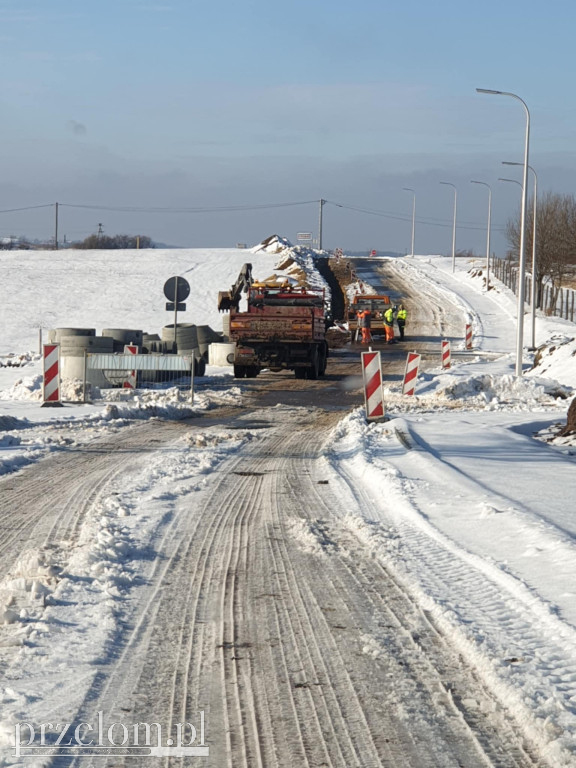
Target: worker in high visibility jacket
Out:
[389,325]
[401,316]
[365,323]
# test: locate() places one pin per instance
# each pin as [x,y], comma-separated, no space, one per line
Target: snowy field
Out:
[464,490]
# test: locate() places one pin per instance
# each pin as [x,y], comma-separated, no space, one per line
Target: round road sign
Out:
[176,289]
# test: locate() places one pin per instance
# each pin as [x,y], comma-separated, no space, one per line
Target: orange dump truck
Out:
[283,328]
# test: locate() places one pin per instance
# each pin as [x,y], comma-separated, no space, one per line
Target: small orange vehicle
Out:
[377,304]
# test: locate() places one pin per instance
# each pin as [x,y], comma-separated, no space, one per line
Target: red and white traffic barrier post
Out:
[372,376]
[411,373]
[446,358]
[130,382]
[51,379]
[468,336]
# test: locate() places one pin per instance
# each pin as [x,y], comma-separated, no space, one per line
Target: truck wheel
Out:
[300,373]
[252,371]
[239,371]
[323,361]
[313,369]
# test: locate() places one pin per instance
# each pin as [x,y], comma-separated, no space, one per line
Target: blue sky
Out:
[178,104]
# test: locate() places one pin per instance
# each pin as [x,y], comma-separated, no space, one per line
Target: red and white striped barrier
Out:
[51,369]
[446,358]
[372,375]
[411,373]
[468,336]
[130,382]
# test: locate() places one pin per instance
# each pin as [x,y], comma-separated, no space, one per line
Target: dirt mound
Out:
[570,427]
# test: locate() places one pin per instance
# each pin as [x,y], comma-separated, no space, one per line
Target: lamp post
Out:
[533,286]
[449,184]
[409,189]
[522,263]
[512,181]
[488,231]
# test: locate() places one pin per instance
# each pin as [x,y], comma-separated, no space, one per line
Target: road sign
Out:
[372,376]
[373,253]
[176,289]
[411,373]
[170,307]
[468,336]
[446,356]
[51,380]
[130,380]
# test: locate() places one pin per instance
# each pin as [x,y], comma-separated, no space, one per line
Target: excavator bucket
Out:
[228,300]
[225,301]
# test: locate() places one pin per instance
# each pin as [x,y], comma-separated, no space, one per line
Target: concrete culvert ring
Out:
[207,336]
[123,336]
[57,335]
[186,336]
[87,342]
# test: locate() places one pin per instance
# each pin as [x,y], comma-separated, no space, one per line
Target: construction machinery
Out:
[282,328]
[376,304]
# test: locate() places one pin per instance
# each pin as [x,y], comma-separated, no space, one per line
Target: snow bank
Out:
[477,569]
[51,670]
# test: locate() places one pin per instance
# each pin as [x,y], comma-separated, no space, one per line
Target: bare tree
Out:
[555,240]
[114,242]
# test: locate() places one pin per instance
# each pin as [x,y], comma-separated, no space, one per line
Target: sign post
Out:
[468,336]
[130,381]
[446,356]
[411,373]
[176,290]
[372,375]
[51,380]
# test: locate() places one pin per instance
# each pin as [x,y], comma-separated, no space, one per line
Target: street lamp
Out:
[488,231]
[533,286]
[409,189]
[522,264]
[449,184]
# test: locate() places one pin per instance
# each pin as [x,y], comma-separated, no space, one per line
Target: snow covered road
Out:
[263,609]
[325,591]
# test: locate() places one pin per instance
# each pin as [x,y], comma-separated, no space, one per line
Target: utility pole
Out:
[100,232]
[320,225]
[56,229]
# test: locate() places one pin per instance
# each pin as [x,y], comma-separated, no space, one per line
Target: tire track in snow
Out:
[43,506]
[300,647]
[479,595]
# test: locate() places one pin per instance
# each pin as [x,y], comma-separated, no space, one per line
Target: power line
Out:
[254,207]
[398,217]
[28,208]
[216,209]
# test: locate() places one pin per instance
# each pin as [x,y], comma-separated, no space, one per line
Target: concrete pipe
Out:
[123,336]
[57,335]
[76,345]
[186,336]
[151,343]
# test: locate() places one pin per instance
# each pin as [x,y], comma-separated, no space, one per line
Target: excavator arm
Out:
[228,300]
